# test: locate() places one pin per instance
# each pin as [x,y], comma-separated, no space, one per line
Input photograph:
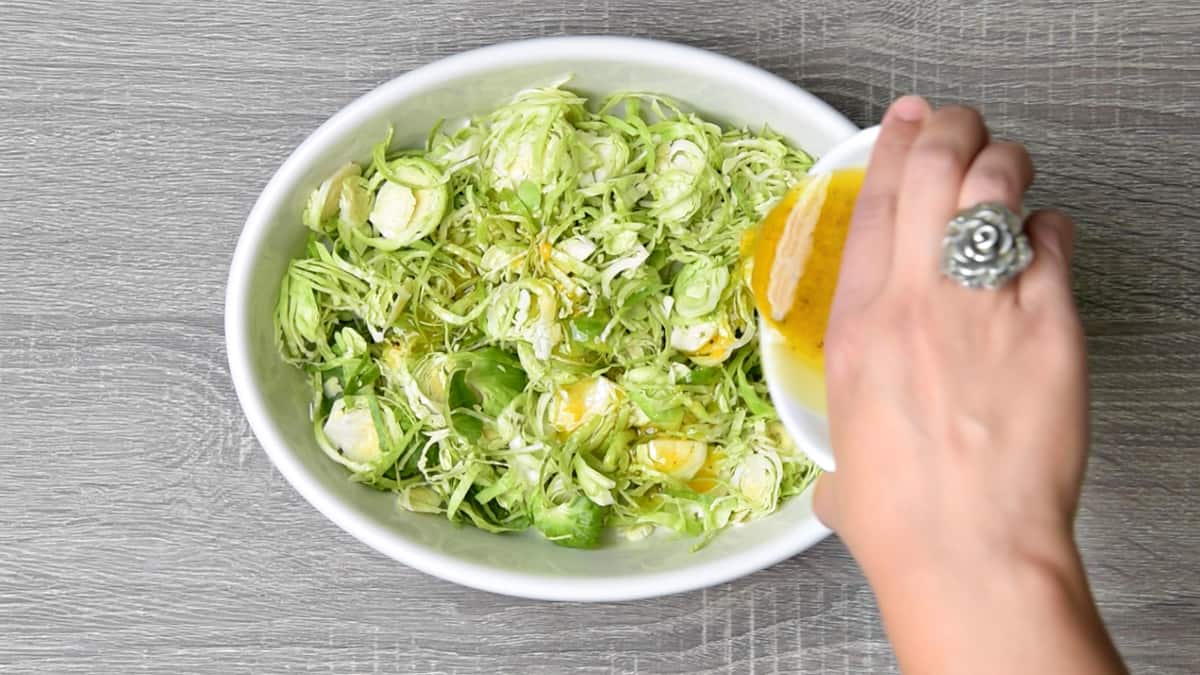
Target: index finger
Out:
[867,256]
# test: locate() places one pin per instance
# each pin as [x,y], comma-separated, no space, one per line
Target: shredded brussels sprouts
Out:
[542,319]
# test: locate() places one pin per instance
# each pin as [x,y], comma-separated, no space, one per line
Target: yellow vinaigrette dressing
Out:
[810,263]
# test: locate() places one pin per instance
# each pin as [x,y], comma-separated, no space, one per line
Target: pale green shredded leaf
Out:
[541,319]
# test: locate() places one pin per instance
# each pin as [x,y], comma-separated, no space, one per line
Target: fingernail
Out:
[909,108]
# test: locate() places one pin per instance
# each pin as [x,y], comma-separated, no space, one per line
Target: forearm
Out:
[1007,613]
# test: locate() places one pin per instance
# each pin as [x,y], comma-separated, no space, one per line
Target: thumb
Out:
[824,505]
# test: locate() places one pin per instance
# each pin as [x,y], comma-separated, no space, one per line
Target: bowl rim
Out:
[376,535]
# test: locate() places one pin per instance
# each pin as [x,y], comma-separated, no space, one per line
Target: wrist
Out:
[1013,609]
[970,547]
[974,574]
[1032,561]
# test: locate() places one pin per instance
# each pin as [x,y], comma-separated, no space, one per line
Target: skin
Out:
[959,417]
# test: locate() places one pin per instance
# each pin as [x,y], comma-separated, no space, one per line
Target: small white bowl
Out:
[275,397]
[797,391]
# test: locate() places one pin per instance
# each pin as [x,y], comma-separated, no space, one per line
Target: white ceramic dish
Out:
[276,401]
[793,386]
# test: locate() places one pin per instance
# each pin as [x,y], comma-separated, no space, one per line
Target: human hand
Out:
[958,417]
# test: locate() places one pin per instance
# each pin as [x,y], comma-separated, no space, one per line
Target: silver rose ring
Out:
[985,246]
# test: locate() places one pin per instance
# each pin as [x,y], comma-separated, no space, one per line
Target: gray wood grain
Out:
[141,527]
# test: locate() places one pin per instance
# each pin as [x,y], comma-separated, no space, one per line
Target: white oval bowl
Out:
[275,397]
[794,386]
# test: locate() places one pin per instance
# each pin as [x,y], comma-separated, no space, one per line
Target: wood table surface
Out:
[142,528]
